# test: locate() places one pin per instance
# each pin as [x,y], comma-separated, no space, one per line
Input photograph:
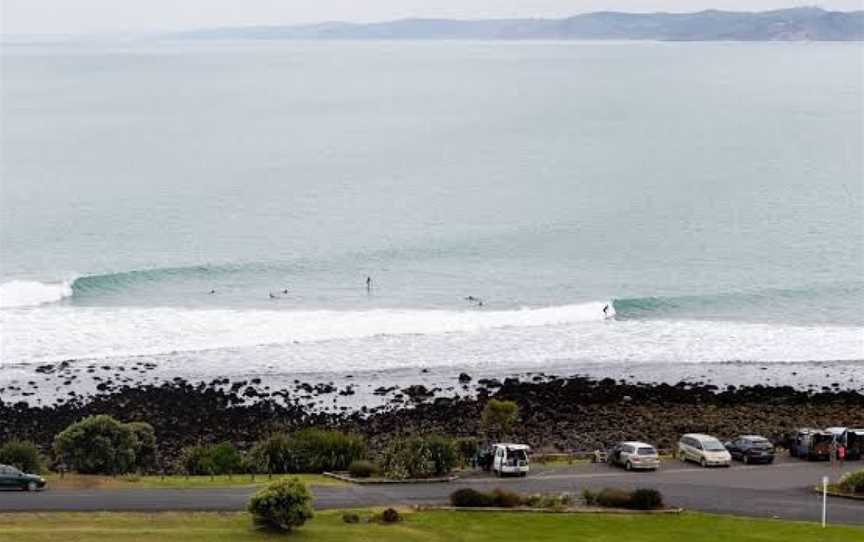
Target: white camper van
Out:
[510,459]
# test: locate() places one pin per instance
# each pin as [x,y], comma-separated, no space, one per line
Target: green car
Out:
[12,478]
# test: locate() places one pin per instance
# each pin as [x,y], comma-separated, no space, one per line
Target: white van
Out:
[510,459]
[703,449]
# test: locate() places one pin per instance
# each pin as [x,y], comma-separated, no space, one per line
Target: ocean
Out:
[216,207]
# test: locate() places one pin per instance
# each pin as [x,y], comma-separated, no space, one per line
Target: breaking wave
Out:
[27,293]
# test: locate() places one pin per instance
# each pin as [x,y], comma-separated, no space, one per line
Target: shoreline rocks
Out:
[556,414]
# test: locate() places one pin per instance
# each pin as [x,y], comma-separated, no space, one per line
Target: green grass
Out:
[85,481]
[418,526]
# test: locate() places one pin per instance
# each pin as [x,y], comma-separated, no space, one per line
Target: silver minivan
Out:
[706,450]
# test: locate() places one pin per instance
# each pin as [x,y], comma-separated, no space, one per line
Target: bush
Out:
[97,445]
[506,499]
[646,499]
[418,457]
[23,455]
[318,450]
[195,460]
[590,497]
[145,452]
[390,516]
[498,417]
[284,504]
[350,517]
[549,501]
[466,449]
[225,458]
[361,469]
[852,482]
[212,459]
[614,498]
[471,498]
[309,450]
[273,455]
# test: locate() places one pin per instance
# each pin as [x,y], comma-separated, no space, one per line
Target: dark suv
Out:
[12,478]
[751,449]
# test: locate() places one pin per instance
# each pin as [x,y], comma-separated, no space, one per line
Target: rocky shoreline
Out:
[556,414]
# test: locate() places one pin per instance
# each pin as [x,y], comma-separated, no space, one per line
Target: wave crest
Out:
[27,293]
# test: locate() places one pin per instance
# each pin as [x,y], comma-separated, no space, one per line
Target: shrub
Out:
[309,450]
[646,499]
[614,498]
[549,501]
[390,516]
[852,482]
[319,450]
[284,504]
[466,449]
[145,452]
[225,458]
[195,460]
[498,417]
[506,499]
[273,455]
[97,445]
[418,457]
[361,469]
[22,454]
[590,497]
[350,517]
[471,498]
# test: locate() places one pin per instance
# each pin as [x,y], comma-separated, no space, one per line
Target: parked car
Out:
[634,455]
[703,449]
[12,478]
[811,444]
[851,439]
[751,449]
[510,459]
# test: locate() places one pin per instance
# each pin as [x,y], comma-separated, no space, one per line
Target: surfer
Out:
[213,291]
[285,291]
[606,311]
[272,295]
[368,284]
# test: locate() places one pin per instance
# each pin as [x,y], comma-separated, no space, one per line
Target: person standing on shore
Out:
[368,284]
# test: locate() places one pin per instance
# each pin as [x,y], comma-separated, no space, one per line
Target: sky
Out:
[134,16]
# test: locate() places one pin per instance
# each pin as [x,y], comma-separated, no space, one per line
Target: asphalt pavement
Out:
[782,490]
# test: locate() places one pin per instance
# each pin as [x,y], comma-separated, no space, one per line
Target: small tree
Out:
[22,454]
[283,504]
[145,452]
[196,460]
[97,445]
[466,448]
[273,455]
[418,457]
[225,458]
[498,417]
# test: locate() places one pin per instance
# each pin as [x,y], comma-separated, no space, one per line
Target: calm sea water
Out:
[711,194]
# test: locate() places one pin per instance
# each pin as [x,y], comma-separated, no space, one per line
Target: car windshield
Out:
[713,446]
[646,451]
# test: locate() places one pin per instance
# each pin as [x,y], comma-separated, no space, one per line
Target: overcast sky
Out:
[110,16]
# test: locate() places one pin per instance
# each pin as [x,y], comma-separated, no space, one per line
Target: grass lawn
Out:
[418,526]
[86,481]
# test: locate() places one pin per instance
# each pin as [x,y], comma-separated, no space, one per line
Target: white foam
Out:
[42,334]
[27,293]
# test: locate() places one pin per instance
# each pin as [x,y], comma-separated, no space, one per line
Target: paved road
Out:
[779,490]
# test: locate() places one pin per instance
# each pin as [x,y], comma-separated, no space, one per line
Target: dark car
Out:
[12,478]
[751,449]
[811,444]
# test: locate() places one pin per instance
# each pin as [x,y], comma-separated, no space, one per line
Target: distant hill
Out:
[796,24]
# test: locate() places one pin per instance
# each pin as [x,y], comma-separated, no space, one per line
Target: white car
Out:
[634,455]
[706,450]
[510,459]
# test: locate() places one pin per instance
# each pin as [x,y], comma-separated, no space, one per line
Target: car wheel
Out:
[702,463]
[746,460]
[628,466]
[31,486]
[682,456]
